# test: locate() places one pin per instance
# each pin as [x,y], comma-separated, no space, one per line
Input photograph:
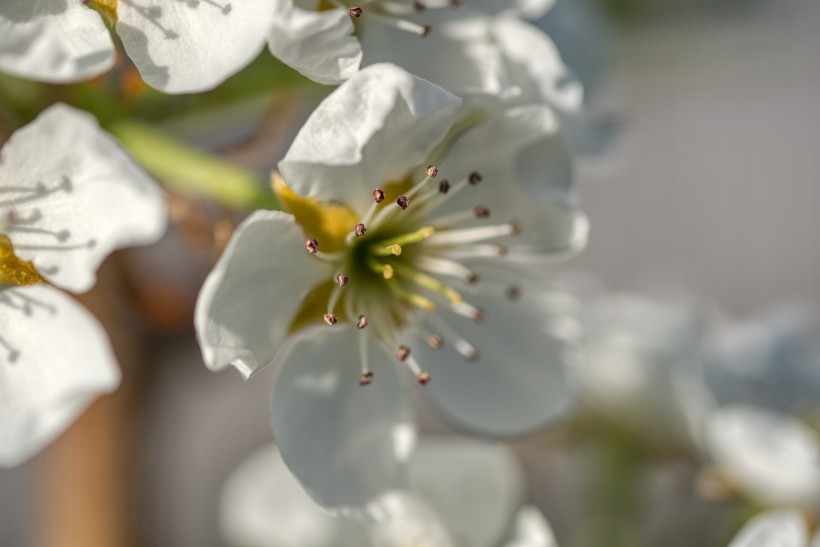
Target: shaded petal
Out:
[528,351]
[263,505]
[531,530]
[772,457]
[192,45]
[75,196]
[319,44]
[374,128]
[418,526]
[58,41]
[250,298]
[347,444]
[474,488]
[45,386]
[527,175]
[772,529]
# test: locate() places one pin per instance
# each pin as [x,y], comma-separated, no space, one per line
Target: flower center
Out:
[399,263]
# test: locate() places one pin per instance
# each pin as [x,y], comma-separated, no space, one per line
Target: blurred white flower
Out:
[68,197]
[183,46]
[414,275]
[459,493]
[774,529]
[772,458]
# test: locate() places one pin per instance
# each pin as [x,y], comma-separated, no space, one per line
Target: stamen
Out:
[359,230]
[412,298]
[366,377]
[387,250]
[401,24]
[361,322]
[402,353]
[378,195]
[312,246]
[479,212]
[468,310]
[393,245]
[330,319]
[476,251]
[462,346]
[341,279]
[354,11]
[444,186]
[435,341]
[474,178]
[403,202]
[474,235]
[422,376]
[429,282]
[432,170]
[385,269]
[513,292]
[450,268]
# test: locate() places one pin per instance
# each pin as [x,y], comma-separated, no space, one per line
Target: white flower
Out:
[460,493]
[775,529]
[68,197]
[179,47]
[773,458]
[417,283]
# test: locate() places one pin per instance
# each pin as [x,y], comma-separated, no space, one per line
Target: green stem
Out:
[192,171]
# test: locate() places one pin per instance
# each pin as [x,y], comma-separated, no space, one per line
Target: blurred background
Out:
[702,175]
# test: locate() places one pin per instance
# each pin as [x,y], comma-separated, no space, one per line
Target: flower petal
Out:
[372,129]
[772,457]
[528,349]
[195,45]
[74,196]
[263,505]
[531,530]
[773,529]
[55,42]
[347,444]
[527,176]
[319,44]
[474,488]
[530,9]
[250,298]
[45,386]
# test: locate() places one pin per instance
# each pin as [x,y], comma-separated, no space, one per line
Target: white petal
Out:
[55,360]
[474,488]
[773,529]
[535,65]
[772,457]
[418,526]
[250,298]
[528,351]
[55,42]
[263,505]
[467,60]
[372,129]
[527,176]
[76,196]
[531,530]
[192,45]
[347,444]
[319,44]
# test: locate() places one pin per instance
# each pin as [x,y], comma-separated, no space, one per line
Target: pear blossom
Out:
[68,197]
[178,47]
[392,260]
[778,528]
[459,493]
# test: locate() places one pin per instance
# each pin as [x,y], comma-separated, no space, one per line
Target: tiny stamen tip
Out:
[312,246]
[395,249]
[455,3]
[513,292]
[516,226]
[432,171]
[365,378]
[361,322]
[330,319]
[474,178]
[425,30]
[378,195]
[419,7]
[444,186]
[479,316]
[501,250]
[473,356]
[473,278]
[481,212]
[402,352]
[341,279]
[435,341]
[424,378]
[403,201]
[354,11]
[359,230]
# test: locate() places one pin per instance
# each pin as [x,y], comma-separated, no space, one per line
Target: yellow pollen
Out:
[13,270]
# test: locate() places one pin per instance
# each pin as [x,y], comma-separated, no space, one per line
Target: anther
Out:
[455,3]
[432,170]
[403,202]
[472,355]
[481,212]
[423,377]
[419,7]
[435,341]
[378,195]
[330,319]
[365,378]
[516,226]
[402,353]
[359,230]
[361,322]
[473,278]
[444,186]
[312,246]
[474,178]
[479,316]
[513,292]
[501,250]
[341,279]
[425,30]
[354,11]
